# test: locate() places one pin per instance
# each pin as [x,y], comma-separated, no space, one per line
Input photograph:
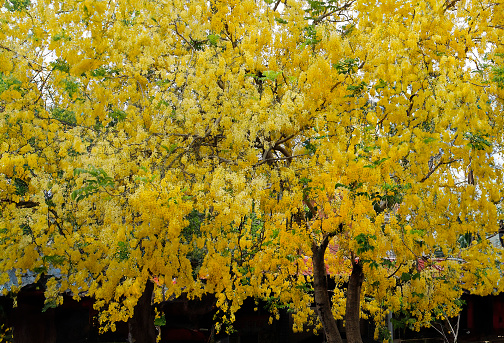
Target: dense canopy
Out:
[219,147]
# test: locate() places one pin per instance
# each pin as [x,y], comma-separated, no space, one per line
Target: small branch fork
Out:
[435,168]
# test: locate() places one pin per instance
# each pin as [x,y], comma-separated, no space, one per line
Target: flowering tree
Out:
[221,147]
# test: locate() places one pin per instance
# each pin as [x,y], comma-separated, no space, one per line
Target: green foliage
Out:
[352,187]
[310,145]
[61,36]
[270,75]
[7,82]
[272,303]
[50,304]
[213,39]
[347,66]
[65,116]
[316,8]
[17,5]
[40,270]
[198,44]
[364,242]
[26,229]
[160,321]
[21,186]
[104,72]
[410,276]
[376,163]
[117,116]
[122,252]
[428,140]
[70,86]
[381,84]
[4,235]
[347,30]
[384,334]
[171,148]
[55,260]
[98,179]
[192,231]
[498,76]
[305,287]
[60,65]
[403,319]
[465,240]
[356,89]
[131,21]
[478,141]
[310,37]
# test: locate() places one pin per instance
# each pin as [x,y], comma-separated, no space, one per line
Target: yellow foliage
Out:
[212,145]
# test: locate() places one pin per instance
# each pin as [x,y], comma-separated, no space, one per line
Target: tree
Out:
[211,146]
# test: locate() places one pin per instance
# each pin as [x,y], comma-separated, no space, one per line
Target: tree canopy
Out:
[220,147]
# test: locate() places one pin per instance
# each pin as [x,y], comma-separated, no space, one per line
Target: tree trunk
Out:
[352,317]
[141,326]
[321,295]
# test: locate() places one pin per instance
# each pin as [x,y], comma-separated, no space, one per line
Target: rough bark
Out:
[321,294]
[141,326]
[352,317]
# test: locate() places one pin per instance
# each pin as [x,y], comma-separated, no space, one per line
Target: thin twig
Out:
[400,265]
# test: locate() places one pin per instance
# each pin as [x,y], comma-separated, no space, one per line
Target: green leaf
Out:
[49,304]
[170,149]
[8,82]
[291,258]
[213,39]
[26,229]
[363,240]
[498,76]
[428,140]
[60,65]
[270,75]
[405,277]
[304,181]
[92,185]
[55,260]
[21,186]
[17,5]
[356,89]
[380,84]
[40,270]
[478,141]
[122,252]
[64,116]
[70,85]
[118,115]
[376,163]
[347,66]
[161,321]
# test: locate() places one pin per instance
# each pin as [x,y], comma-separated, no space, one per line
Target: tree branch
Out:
[435,168]
[400,265]
[22,204]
